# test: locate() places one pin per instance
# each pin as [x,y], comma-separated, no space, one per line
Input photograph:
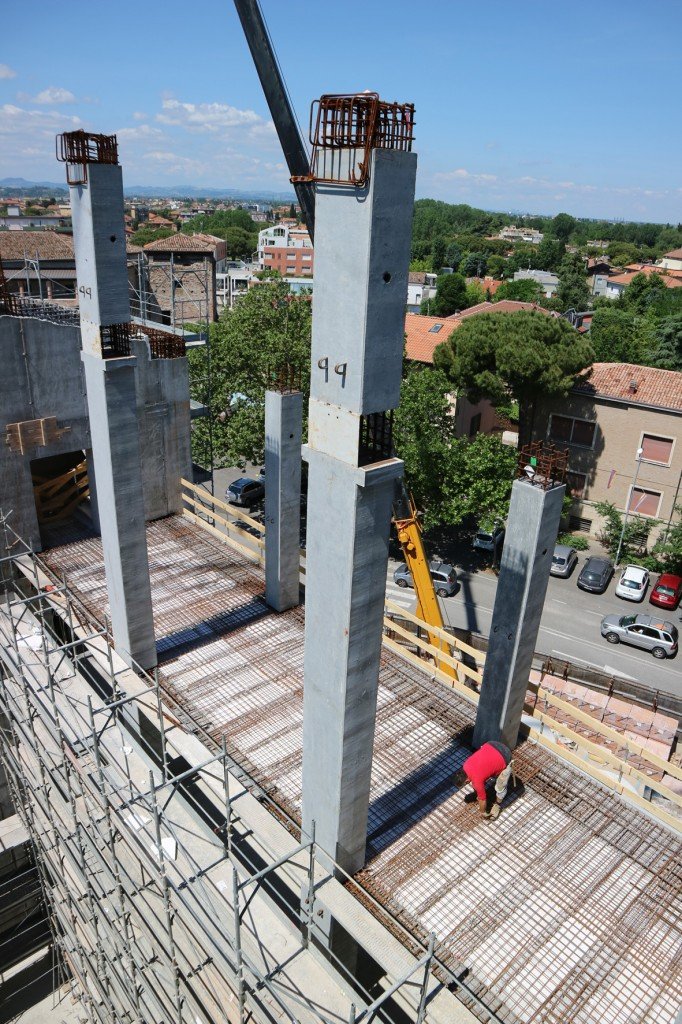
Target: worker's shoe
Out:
[483,807]
[469,798]
[494,812]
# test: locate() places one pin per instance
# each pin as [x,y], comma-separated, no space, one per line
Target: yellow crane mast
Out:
[408,528]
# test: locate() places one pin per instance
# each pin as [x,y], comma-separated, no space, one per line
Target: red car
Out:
[667,592]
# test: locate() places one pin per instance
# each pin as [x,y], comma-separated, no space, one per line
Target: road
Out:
[569,628]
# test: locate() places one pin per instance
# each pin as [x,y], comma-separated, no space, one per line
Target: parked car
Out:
[645,631]
[443,575]
[595,575]
[245,491]
[564,561]
[489,540]
[633,583]
[667,591]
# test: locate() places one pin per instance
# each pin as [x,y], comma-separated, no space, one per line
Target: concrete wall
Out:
[42,375]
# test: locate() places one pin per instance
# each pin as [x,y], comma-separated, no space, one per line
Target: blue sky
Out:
[519,106]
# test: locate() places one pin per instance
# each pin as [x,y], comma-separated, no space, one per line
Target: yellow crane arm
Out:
[410,536]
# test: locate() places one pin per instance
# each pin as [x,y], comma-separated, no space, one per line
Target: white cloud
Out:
[207,117]
[174,163]
[141,131]
[139,116]
[7,72]
[53,94]
[30,133]
[461,174]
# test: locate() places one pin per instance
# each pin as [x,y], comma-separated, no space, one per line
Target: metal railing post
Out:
[421,1013]
[238,943]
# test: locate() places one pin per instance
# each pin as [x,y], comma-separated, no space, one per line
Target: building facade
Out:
[621,426]
[286,249]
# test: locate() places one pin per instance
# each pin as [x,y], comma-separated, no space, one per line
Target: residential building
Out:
[598,243]
[489,284]
[616,284]
[671,261]
[16,221]
[181,277]
[420,286]
[39,264]
[514,234]
[548,282]
[287,249]
[232,283]
[605,420]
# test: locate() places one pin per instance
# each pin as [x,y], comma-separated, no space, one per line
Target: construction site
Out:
[229,763]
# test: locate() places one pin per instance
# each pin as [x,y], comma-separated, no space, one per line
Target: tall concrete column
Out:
[362,246]
[96,187]
[283,426]
[532,529]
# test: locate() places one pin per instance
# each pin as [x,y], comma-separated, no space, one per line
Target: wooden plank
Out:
[607,756]
[258,541]
[210,499]
[249,552]
[436,630]
[610,733]
[435,652]
[431,671]
[653,809]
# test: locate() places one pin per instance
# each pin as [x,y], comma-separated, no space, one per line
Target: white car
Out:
[633,583]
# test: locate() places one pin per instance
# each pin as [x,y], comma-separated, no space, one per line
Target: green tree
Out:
[474,264]
[549,254]
[438,251]
[480,481]
[267,328]
[572,292]
[423,434]
[239,244]
[668,343]
[527,355]
[524,290]
[292,211]
[620,336]
[643,292]
[563,225]
[668,550]
[453,255]
[146,235]
[451,295]
[496,265]
[635,534]
[475,294]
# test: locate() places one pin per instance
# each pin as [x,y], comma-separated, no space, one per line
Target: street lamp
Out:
[640,452]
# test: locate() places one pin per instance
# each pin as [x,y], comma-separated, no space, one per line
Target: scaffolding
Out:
[165,904]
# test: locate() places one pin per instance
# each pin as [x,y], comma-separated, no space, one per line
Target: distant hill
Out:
[23,187]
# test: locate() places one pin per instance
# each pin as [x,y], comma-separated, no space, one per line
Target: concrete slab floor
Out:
[569,907]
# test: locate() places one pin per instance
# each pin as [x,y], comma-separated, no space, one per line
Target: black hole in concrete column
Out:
[387,277]
[112,238]
[290,436]
[545,551]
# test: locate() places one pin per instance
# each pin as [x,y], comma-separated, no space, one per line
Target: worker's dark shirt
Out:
[487,763]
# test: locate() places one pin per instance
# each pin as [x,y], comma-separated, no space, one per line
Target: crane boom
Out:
[281,111]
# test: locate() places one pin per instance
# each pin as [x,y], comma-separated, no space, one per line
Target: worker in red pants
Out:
[491,761]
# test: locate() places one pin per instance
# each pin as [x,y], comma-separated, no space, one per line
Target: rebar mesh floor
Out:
[568,908]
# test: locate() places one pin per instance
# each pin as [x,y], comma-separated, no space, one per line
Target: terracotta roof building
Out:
[39,264]
[618,422]
[181,276]
[423,333]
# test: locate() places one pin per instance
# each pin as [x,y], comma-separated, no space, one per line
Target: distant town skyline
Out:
[520,108]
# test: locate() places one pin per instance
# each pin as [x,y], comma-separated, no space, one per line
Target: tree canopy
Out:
[525,290]
[267,328]
[451,295]
[620,336]
[525,355]
[668,343]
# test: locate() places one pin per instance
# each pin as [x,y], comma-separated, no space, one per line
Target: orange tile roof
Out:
[423,333]
[654,387]
[674,254]
[671,279]
[184,243]
[46,245]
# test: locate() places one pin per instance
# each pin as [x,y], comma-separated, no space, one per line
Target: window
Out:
[572,431]
[644,503]
[657,449]
[575,483]
[435,329]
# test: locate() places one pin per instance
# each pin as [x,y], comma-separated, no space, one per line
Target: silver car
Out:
[564,560]
[443,575]
[646,631]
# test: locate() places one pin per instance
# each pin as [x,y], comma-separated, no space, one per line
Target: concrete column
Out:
[92,487]
[532,529]
[99,244]
[362,245]
[116,456]
[283,425]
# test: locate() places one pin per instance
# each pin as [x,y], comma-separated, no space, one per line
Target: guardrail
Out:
[606,767]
